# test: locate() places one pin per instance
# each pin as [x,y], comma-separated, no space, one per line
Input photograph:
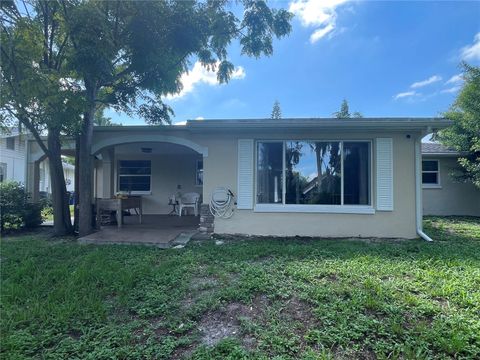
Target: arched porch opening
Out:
[155,169]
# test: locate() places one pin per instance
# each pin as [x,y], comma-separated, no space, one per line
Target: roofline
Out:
[444,154]
[400,123]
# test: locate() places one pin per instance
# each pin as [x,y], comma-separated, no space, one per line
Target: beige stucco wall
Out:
[221,170]
[451,197]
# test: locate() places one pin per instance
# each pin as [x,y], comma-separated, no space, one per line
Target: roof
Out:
[438,149]
[410,123]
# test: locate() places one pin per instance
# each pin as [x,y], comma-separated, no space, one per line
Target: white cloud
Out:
[199,74]
[180,123]
[430,80]
[319,33]
[320,14]
[405,94]
[451,90]
[471,52]
[199,118]
[455,79]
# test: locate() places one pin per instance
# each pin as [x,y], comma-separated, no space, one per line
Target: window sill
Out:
[431,186]
[138,193]
[326,209]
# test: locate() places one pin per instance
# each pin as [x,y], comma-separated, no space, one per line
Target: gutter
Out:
[418,191]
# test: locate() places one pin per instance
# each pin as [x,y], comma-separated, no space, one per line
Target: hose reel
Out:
[221,203]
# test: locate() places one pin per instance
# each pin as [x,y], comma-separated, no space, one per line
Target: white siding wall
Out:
[15,159]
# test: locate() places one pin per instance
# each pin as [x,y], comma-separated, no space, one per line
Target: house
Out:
[14,159]
[363,177]
[442,194]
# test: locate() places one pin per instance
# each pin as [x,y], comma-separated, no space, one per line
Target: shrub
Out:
[15,210]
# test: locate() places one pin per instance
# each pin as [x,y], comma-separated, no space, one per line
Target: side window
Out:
[430,172]
[11,143]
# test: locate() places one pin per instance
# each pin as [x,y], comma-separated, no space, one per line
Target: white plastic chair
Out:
[189,200]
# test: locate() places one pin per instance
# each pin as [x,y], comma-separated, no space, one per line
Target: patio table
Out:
[118,205]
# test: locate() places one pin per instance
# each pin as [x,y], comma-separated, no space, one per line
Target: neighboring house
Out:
[14,160]
[442,194]
[307,177]
[12,156]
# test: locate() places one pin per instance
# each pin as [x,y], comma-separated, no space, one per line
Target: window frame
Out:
[196,172]
[320,208]
[134,192]
[438,184]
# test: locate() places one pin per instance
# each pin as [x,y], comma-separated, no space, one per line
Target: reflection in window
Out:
[269,172]
[313,172]
[356,173]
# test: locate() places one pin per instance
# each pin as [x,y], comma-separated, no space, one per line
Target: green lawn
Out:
[309,299]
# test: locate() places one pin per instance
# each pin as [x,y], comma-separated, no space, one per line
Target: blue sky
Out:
[386,58]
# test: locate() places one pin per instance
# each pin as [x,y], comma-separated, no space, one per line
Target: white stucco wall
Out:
[450,197]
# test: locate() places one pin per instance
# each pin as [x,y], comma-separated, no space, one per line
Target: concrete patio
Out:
[161,231]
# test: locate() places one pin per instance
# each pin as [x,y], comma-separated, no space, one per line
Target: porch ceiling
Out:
[157,148]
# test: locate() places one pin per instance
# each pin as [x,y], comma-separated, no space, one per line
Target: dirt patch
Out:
[300,312]
[444,304]
[225,322]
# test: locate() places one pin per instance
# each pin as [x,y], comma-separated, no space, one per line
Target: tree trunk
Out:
[62,224]
[85,166]
[77,185]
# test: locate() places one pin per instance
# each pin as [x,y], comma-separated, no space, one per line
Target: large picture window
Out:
[313,172]
[134,175]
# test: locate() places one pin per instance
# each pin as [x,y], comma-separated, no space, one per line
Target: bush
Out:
[15,210]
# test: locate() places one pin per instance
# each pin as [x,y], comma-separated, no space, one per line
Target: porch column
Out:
[107,174]
[36,181]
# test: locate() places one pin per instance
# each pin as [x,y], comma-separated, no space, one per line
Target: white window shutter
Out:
[384,174]
[245,174]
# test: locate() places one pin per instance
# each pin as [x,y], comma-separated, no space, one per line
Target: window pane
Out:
[430,178]
[429,165]
[135,167]
[11,143]
[313,172]
[134,183]
[269,172]
[356,170]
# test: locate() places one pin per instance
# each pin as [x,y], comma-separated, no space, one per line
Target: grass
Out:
[245,299]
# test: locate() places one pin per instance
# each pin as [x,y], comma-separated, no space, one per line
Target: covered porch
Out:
[154,176]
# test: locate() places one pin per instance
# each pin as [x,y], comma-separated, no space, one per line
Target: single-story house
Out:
[297,176]
[442,193]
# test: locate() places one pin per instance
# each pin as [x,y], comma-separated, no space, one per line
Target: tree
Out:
[276,111]
[464,134]
[129,54]
[344,112]
[37,91]
[101,120]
